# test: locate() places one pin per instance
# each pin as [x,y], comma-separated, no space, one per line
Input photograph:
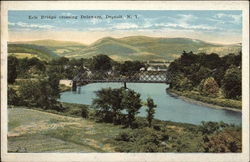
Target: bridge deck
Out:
[129,77]
[127,81]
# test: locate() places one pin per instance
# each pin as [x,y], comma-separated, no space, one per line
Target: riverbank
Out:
[215,103]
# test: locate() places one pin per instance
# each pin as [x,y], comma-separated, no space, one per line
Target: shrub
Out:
[181,83]
[140,140]
[12,96]
[228,140]
[84,113]
[231,83]
[209,87]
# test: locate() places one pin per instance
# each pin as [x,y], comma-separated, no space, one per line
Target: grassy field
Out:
[37,131]
[23,55]
[32,130]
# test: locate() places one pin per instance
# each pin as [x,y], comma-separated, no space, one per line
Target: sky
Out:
[87,26]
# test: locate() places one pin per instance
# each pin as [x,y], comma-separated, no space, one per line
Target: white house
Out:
[151,68]
[66,82]
[142,69]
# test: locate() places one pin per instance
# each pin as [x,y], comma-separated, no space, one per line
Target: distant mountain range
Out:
[127,48]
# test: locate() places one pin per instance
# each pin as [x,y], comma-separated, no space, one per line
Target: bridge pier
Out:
[125,85]
[74,86]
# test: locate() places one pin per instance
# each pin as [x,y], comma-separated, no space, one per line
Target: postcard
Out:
[125,81]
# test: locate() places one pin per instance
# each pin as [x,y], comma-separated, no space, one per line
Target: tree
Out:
[116,97]
[231,59]
[210,61]
[102,104]
[130,66]
[218,74]
[53,82]
[23,68]
[231,83]
[12,96]
[150,110]
[12,69]
[209,87]
[29,93]
[131,102]
[38,93]
[101,62]
[199,74]
[60,61]
[181,83]
[188,58]
[110,102]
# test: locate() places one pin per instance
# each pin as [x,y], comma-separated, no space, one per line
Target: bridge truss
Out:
[125,77]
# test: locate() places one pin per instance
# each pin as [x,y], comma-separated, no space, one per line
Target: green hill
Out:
[150,48]
[61,48]
[29,50]
[136,48]
[51,43]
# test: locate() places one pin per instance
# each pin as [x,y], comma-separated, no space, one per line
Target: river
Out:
[168,107]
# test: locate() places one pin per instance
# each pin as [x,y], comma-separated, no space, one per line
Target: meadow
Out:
[36,131]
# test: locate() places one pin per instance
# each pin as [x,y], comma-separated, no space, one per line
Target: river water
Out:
[168,107]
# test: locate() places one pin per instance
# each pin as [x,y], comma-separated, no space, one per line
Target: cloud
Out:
[235,19]
[26,25]
[198,27]
[186,18]
[98,29]
[125,26]
[186,26]
[71,21]
[94,21]
[184,22]
[183,18]
[67,14]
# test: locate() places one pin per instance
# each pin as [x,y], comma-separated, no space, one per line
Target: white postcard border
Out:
[126,5]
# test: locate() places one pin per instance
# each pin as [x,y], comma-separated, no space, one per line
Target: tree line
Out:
[33,82]
[208,74]
[64,67]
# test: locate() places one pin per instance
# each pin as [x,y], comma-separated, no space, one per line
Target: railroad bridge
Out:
[125,77]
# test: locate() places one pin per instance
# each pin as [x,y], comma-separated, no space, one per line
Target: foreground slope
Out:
[36,131]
